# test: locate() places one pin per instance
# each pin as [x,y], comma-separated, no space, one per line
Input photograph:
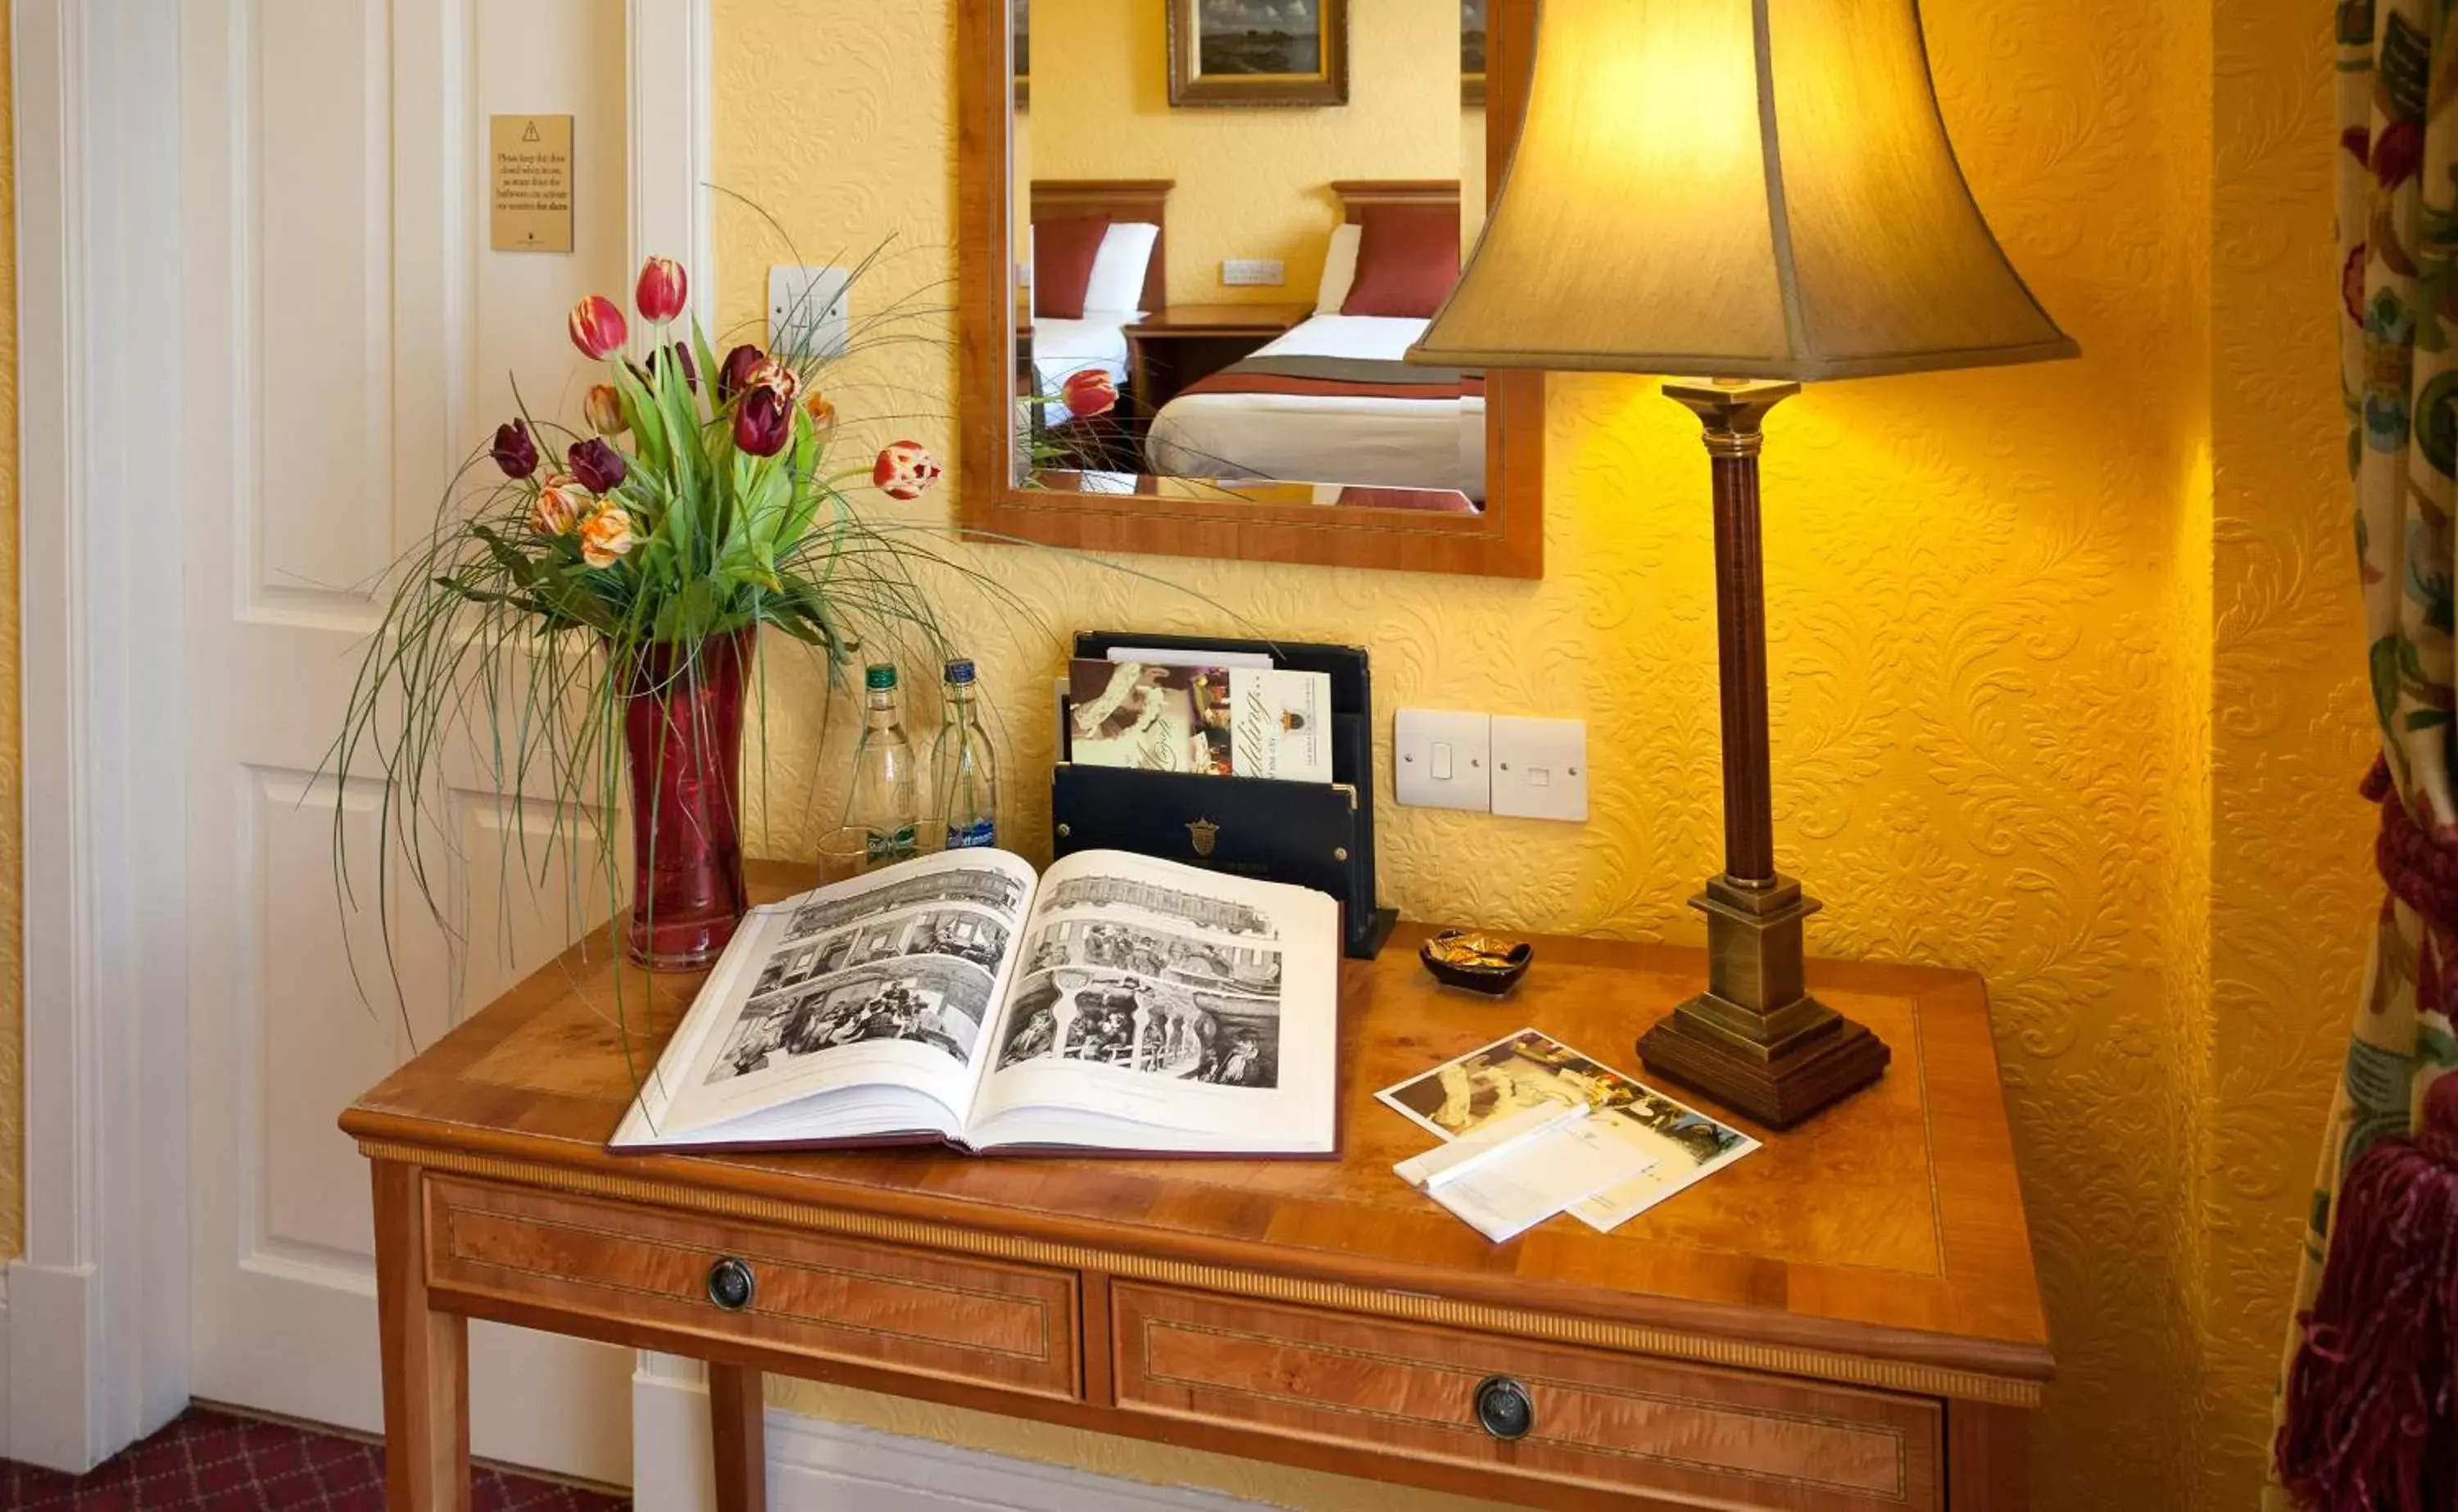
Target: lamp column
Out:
[1754,1041]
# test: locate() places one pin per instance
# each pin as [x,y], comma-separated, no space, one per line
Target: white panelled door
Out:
[350,340]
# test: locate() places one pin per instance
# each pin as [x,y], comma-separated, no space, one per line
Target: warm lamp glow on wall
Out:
[1758,192]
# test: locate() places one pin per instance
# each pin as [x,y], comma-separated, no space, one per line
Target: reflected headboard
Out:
[1357,194]
[1132,200]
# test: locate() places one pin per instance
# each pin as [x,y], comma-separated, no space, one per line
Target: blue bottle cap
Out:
[960,672]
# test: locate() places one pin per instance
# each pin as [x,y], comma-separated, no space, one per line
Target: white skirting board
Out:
[815,1466]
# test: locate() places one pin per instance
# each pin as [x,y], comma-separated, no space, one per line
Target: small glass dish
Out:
[1477,961]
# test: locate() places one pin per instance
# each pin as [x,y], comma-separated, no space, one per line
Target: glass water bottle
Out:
[883,803]
[964,767]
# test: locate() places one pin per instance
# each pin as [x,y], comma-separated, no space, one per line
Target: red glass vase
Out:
[683,728]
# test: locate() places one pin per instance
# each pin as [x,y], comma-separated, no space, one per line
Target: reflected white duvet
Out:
[1323,438]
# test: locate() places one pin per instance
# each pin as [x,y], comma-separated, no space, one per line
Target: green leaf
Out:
[2384,661]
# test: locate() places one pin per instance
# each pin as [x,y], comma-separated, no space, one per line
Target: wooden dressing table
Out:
[1847,1321]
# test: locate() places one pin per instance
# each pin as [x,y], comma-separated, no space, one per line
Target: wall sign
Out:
[532,204]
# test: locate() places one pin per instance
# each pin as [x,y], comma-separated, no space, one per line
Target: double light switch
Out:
[1500,764]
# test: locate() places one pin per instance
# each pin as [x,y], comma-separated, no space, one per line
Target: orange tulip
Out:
[604,410]
[607,537]
[823,412]
[560,506]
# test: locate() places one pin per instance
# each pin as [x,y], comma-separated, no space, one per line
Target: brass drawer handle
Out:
[731,1285]
[1504,1408]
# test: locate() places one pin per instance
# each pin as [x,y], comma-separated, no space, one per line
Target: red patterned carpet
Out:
[209,1459]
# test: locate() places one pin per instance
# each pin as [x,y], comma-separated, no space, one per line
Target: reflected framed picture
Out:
[1471,52]
[1021,17]
[1258,52]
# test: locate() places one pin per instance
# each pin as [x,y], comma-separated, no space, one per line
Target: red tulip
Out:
[763,422]
[1087,392]
[599,467]
[734,376]
[514,450]
[597,327]
[905,470]
[663,290]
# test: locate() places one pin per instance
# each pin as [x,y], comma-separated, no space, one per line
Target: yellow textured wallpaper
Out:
[2293,890]
[2063,665]
[1250,182]
[12,915]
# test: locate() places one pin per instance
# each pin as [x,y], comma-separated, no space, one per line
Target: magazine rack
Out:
[1311,834]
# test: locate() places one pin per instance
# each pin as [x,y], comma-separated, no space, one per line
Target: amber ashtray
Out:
[1477,961]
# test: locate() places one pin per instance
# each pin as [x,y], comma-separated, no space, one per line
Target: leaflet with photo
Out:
[1113,1003]
[1188,715]
[1664,1146]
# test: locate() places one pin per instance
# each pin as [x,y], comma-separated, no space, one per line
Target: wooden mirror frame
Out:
[1504,538]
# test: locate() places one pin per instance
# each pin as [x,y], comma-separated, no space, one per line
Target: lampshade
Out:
[1736,189]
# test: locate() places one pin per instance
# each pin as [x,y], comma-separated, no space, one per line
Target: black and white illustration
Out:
[964,933]
[1196,908]
[1214,1034]
[1248,970]
[981,886]
[934,1000]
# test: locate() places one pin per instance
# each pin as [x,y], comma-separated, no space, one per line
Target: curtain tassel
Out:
[2368,1424]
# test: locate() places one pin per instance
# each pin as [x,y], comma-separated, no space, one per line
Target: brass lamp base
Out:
[1755,1040]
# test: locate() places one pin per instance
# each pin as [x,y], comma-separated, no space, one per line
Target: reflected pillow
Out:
[1338,270]
[1063,251]
[1117,281]
[1408,259]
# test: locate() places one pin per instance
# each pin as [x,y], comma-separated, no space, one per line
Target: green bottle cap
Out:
[879,675]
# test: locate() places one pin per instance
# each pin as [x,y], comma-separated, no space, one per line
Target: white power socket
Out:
[1263,272]
[809,312]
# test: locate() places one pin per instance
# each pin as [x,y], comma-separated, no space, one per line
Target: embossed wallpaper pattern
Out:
[2065,667]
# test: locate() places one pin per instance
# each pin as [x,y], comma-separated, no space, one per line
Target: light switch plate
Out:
[1268,272]
[1441,760]
[1540,768]
[808,313]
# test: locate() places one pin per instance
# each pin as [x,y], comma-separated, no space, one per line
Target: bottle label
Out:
[980,833]
[893,846]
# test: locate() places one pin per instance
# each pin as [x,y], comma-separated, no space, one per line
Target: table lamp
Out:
[1760,191]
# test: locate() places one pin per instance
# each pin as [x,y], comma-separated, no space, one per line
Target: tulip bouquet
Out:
[593,612]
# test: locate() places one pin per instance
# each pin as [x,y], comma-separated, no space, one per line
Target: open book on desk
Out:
[1114,1003]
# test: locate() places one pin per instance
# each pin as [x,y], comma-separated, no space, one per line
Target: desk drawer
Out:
[825,1297]
[1627,1422]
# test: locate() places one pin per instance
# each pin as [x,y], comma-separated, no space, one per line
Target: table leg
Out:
[426,1359]
[741,1438]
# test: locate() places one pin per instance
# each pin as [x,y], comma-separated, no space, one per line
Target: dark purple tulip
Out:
[658,360]
[515,452]
[764,423]
[599,467]
[736,375]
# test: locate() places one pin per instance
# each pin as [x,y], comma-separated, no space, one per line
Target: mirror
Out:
[1197,237]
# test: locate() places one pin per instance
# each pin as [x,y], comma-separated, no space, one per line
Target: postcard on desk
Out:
[1665,1145]
[1221,721]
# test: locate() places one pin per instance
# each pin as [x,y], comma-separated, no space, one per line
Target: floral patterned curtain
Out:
[2398,358]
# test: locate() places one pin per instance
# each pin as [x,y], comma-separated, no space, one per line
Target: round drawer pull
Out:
[1504,1408]
[731,1285]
